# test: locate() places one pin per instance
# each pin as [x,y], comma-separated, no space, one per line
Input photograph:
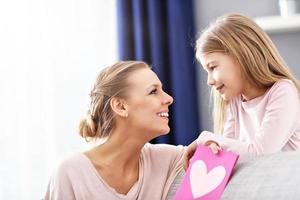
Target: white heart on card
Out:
[203,182]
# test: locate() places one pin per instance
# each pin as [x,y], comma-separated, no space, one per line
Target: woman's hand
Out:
[190,150]
[188,154]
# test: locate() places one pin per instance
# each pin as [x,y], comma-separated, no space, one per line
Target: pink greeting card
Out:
[207,175]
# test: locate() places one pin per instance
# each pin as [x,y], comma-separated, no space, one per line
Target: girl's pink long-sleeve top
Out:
[264,125]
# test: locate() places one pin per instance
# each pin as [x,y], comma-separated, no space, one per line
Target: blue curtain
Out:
[161,33]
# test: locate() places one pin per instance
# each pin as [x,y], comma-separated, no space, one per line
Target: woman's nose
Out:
[168,99]
[210,80]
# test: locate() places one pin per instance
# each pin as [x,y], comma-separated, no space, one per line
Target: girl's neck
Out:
[253,92]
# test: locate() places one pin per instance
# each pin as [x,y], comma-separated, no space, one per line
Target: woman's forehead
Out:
[143,77]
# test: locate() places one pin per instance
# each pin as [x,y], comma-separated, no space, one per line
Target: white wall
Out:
[50,53]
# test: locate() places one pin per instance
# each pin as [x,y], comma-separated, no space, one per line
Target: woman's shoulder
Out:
[162,149]
[162,157]
[69,169]
[70,164]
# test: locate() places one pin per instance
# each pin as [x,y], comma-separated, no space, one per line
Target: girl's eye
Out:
[154,91]
[213,67]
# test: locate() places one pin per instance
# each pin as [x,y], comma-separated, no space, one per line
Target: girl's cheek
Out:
[216,75]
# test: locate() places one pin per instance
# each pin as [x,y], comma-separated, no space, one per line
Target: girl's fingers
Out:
[215,148]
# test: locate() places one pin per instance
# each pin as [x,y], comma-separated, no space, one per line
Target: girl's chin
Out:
[227,97]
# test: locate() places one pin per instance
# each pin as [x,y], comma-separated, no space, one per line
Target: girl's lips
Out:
[219,89]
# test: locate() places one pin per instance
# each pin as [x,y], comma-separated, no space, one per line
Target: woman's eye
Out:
[154,91]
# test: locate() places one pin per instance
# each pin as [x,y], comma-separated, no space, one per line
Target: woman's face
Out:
[148,105]
[223,74]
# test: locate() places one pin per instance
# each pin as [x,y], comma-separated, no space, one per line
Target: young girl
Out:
[128,108]
[256,97]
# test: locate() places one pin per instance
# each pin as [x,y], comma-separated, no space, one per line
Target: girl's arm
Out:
[279,123]
[212,144]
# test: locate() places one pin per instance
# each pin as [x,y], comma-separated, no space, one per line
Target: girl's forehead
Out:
[210,57]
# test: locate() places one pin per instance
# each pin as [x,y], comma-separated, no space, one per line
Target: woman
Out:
[128,108]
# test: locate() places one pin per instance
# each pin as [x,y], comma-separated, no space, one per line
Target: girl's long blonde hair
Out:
[260,61]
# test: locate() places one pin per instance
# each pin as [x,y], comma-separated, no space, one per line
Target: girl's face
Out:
[223,74]
[148,105]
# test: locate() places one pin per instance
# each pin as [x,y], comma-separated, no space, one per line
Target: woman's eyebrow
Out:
[156,85]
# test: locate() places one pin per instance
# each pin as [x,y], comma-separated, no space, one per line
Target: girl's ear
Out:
[118,105]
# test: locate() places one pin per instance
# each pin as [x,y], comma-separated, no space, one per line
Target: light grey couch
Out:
[270,177]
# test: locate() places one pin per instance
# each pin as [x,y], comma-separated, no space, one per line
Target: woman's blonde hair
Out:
[260,61]
[111,82]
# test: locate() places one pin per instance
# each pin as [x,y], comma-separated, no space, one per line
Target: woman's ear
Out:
[119,106]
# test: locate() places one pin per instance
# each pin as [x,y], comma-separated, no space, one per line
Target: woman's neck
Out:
[117,151]
[117,161]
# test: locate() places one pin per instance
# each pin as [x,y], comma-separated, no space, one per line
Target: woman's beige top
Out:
[77,178]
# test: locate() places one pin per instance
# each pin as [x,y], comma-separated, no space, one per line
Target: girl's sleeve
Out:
[229,126]
[278,124]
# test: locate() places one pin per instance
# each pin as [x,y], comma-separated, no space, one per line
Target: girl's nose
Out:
[168,99]
[210,80]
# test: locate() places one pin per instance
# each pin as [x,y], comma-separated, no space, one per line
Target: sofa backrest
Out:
[275,176]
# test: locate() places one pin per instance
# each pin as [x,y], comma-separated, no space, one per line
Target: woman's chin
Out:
[160,132]
[165,131]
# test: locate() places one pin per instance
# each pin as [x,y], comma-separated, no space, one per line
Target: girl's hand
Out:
[190,150]
[214,146]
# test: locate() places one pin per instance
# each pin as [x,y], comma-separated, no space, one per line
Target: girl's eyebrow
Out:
[210,63]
